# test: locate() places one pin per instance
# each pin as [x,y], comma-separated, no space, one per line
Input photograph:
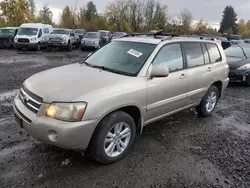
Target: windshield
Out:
[125,58]
[118,34]
[80,31]
[28,31]
[7,32]
[234,37]
[236,51]
[92,35]
[104,34]
[60,31]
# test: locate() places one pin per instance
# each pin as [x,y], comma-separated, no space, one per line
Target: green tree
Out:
[15,12]
[91,10]
[229,19]
[185,18]
[67,18]
[2,22]
[45,15]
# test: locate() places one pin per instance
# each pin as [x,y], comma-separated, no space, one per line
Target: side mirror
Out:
[159,72]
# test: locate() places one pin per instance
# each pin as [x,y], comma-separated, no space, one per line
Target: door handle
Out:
[209,69]
[183,76]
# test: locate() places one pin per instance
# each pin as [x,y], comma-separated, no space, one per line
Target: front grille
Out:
[56,39]
[4,42]
[23,40]
[30,100]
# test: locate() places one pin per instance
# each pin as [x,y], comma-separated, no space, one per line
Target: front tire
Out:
[113,138]
[247,83]
[69,46]
[38,47]
[209,102]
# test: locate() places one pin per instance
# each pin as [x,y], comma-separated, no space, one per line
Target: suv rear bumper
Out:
[68,135]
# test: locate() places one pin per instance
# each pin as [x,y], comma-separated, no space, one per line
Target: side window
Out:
[40,33]
[205,53]
[194,54]
[170,56]
[46,30]
[213,52]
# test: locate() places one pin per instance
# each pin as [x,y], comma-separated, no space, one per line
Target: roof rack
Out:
[159,35]
[166,36]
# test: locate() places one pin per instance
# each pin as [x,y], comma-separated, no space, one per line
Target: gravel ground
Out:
[180,151]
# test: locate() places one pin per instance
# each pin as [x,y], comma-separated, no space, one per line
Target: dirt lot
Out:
[180,151]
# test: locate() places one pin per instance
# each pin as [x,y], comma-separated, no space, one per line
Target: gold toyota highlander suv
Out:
[100,103]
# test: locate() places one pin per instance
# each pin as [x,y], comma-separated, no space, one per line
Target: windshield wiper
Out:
[107,69]
[113,70]
[88,64]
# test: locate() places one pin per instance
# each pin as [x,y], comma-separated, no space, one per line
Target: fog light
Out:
[53,136]
[244,77]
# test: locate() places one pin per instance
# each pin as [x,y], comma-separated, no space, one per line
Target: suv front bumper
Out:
[57,44]
[68,135]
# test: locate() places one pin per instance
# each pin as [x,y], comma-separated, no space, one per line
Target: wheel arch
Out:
[218,84]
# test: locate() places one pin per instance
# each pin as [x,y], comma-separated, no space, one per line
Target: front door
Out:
[169,94]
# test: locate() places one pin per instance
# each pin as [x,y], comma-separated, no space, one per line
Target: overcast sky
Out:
[209,10]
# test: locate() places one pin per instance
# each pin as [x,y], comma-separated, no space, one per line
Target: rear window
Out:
[194,54]
[214,53]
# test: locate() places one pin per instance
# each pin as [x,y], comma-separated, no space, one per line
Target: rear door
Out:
[199,70]
[168,94]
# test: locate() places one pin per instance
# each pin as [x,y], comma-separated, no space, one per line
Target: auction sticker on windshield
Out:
[134,53]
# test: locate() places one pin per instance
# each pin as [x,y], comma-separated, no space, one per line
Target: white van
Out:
[32,35]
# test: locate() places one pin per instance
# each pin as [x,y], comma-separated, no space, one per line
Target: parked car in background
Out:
[80,33]
[117,35]
[127,84]
[92,40]
[106,35]
[238,58]
[224,42]
[31,35]
[62,38]
[7,35]
[232,37]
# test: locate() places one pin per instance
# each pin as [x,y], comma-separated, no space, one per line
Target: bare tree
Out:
[186,19]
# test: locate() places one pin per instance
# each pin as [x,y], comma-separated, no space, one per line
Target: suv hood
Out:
[236,62]
[90,39]
[69,82]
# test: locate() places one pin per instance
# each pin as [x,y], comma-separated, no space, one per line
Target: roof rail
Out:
[159,34]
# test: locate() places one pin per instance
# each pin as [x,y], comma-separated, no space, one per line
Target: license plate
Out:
[19,121]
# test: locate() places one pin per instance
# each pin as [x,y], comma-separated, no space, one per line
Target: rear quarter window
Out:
[214,53]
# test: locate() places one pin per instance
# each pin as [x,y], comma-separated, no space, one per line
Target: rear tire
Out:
[113,138]
[209,102]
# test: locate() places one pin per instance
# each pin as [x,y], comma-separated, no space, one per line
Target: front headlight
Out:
[65,38]
[244,67]
[15,39]
[33,39]
[66,111]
